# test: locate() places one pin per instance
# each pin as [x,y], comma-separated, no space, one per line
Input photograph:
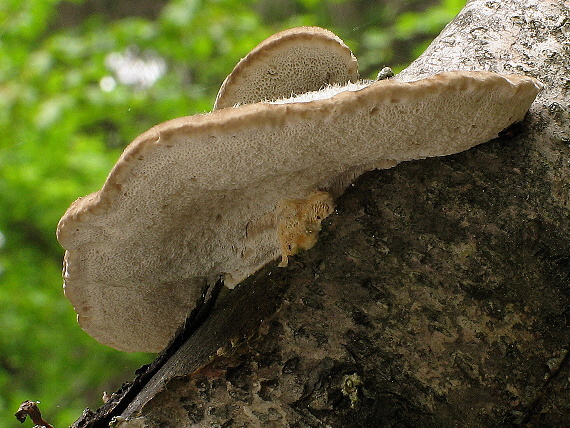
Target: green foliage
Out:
[65,116]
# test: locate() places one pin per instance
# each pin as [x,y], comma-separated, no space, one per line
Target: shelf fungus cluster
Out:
[224,193]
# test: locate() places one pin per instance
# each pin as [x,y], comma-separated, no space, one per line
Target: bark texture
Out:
[438,293]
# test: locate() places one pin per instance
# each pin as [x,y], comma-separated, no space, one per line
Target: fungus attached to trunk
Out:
[224,193]
[289,63]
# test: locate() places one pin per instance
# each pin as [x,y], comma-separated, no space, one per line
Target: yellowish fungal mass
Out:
[299,222]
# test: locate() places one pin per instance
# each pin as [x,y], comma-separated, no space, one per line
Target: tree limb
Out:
[438,292]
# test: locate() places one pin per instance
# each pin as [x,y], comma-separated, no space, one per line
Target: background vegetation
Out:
[78,81]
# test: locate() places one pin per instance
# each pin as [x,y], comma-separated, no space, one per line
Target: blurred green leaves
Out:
[66,114]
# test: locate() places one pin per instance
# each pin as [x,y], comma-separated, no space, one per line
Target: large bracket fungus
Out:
[224,193]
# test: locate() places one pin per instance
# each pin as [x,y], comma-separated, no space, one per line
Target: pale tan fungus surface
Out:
[175,210]
[290,62]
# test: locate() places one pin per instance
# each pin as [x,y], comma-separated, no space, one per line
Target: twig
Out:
[30,408]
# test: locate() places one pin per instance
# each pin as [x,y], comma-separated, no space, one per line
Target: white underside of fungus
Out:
[203,196]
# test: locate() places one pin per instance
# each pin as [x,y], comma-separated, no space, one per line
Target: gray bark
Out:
[438,293]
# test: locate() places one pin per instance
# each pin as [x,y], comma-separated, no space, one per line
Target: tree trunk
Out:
[438,293]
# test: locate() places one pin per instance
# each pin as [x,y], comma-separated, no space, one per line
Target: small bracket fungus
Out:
[224,193]
[288,63]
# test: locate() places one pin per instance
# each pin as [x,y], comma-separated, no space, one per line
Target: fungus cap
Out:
[189,199]
[290,62]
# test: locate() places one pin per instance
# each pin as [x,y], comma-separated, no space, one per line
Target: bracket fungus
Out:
[288,63]
[224,193]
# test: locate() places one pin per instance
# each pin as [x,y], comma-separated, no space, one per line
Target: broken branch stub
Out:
[200,197]
[31,409]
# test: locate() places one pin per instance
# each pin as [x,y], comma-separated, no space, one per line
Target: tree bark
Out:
[438,293]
